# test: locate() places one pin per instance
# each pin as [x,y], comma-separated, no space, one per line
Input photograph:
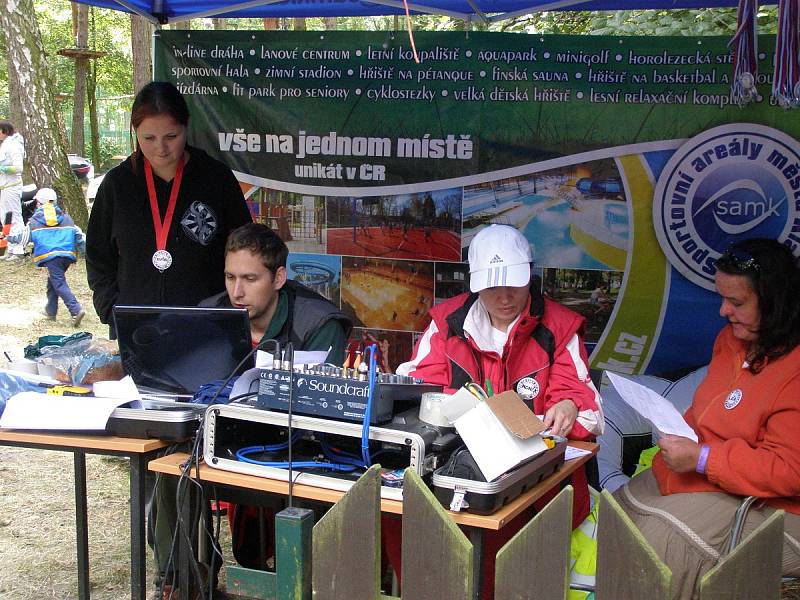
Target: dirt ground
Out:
[22,300]
[37,529]
[37,525]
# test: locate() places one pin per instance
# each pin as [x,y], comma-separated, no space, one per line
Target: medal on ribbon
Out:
[162,259]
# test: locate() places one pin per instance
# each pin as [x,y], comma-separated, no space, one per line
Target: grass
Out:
[37,529]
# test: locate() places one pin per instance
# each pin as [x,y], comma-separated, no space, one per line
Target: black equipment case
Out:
[482,497]
[162,419]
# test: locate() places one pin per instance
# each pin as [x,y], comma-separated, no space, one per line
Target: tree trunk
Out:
[15,101]
[141,47]
[46,154]
[91,100]
[219,24]
[80,23]
[271,24]
[331,23]
[299,24]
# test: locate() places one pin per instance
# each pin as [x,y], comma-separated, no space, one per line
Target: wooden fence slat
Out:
[346,544]
[753,569]
[627,566]
[534,564]
[437,557]
[293,531]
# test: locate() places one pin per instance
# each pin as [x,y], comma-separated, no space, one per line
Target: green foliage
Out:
[109,31]
[109,148]
[704,21]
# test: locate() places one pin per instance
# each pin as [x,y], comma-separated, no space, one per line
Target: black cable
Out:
[185,479]
[289,357]
[238,397]
[151,514]
[259,346]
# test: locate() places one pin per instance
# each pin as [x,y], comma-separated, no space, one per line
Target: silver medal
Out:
[162,260]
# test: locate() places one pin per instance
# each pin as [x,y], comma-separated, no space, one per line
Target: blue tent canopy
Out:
[165,11]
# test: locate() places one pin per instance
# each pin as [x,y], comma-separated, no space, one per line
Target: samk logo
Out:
[730,182]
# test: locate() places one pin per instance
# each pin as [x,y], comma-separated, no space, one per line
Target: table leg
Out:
[81,525]
[138,471]
[476,537]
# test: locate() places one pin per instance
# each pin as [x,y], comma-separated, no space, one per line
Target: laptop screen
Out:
[178,349]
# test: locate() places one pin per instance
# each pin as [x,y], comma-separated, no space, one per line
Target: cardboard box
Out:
[500,432]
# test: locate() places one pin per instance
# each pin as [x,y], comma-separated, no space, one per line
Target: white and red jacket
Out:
[543,359]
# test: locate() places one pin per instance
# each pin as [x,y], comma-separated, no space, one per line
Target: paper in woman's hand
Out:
[652,406]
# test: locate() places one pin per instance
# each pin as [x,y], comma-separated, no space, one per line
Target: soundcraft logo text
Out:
[728,183]
[343,389]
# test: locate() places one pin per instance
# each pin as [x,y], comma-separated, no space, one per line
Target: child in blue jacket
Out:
[55,239]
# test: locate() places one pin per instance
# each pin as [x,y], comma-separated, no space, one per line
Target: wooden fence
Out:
[438,564]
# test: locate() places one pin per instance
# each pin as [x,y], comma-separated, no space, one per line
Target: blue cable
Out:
[340,456]
[368,412]
[309,464]
[270,448]
[344,467]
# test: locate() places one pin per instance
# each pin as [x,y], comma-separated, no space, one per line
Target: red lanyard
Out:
[162,227]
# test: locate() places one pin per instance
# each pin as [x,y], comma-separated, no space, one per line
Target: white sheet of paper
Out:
[33,410]
[124,389]
[457,404]
[573,452]
[312,357]
[247,382]
[652,406]
[493,447]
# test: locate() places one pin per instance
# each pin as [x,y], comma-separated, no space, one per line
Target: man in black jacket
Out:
[280,309]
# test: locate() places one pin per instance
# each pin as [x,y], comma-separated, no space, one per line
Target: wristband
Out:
[702,459]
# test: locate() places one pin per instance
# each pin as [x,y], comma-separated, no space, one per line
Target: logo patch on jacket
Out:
[528,388]
[200,223]
[733,399]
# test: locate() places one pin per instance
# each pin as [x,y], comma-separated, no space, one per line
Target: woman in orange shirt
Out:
[746,414]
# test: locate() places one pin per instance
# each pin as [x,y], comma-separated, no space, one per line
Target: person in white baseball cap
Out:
[45,195]
[499,255]
[500,263]
[505,335]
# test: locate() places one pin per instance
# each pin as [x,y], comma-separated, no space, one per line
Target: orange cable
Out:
[410,32]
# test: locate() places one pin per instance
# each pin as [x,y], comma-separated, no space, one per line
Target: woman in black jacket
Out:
[158,226]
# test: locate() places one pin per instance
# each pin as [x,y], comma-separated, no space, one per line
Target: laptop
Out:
[177,349]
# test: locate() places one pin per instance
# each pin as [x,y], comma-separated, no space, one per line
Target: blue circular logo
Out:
[733,399]
[728,183]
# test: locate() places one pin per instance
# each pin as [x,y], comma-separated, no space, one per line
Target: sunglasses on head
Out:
[741,259]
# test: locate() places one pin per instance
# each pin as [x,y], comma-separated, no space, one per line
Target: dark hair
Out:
[7,127]
[772,272]
[154,99]
[261,240]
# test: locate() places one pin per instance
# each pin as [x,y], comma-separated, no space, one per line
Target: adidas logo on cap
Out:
[495,260]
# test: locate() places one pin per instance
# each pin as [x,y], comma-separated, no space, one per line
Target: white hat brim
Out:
[506,276]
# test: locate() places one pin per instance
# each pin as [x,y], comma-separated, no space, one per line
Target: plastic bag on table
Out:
[84,361]
[33,351]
